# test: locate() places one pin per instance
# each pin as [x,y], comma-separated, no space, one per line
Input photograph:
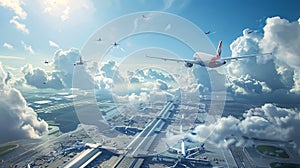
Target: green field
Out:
[54,132]
[272,151]
[7,148]
[284,165]
[52,123]
[104,105]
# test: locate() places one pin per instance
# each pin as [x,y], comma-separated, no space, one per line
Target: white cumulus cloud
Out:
[276,73]
[247,85]
[17,119]
[282,37]
[20,26]
[8,46]
[27,47]
[64,66]
[67,8]
[53,44]
[266,122]
[39,78]
[16,6]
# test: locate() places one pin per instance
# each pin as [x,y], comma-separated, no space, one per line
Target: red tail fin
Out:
[218,54]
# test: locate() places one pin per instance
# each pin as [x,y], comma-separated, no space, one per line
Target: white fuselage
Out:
[183,152]
[207,60]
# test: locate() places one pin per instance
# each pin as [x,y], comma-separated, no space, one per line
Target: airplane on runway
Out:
[208,60]
[184,155]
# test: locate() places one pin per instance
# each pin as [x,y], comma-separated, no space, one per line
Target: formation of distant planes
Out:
[202,59]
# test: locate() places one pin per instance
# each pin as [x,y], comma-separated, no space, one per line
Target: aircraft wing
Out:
[175,149]
[172,59]
[244,56]
[194,148]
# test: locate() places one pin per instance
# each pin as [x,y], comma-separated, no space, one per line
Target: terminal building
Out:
[85,158]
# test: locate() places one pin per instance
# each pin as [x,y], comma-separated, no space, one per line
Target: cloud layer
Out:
[39,78]
[66,9]
[15,6]
[62,75]
[267,75]
[17,119]
[265,122]
[20,26]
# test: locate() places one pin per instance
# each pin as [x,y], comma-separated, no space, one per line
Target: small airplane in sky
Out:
[99,39]
[209,32]
[250,31]
[208,60]
[144,16]
[80,62]
[115,44]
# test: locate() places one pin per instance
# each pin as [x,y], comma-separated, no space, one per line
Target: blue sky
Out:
[70,24]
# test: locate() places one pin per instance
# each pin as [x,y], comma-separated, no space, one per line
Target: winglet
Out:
[218,54]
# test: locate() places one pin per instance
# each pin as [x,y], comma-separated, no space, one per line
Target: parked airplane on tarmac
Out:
[184,150]
[208,60]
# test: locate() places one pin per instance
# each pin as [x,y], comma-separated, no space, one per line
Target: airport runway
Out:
[142,142]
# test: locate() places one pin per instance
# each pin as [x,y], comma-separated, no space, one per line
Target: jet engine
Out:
[187,64]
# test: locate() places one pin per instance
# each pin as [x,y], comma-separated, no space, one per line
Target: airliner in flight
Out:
[208,60]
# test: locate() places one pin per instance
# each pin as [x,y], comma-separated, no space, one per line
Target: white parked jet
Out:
[185,151]
[208,60]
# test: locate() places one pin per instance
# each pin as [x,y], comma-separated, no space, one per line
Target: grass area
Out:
[52,123]
[104,105]
[284,165]
[272,151]
[54,132]
[7,148]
